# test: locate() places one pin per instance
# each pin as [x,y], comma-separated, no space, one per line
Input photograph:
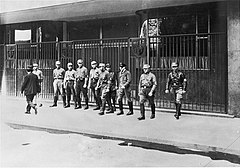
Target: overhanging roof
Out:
[92,9]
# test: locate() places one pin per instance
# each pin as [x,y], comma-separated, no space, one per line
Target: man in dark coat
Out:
[30,87]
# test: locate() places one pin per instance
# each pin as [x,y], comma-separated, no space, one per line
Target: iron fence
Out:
[202,57]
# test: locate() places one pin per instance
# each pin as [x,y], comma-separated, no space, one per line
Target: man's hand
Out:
[183,91]
[123,87]
[167,91]
[150,94]
[84,86]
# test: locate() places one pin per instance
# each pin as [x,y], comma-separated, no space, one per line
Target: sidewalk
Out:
[191,132]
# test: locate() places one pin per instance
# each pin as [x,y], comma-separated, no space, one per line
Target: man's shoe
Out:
[40,105]
[130,113]
[109,112]
[97,108]
[77,107]
[54,105]
[101,113]
[67,106]
[27,112]
[120,113]
[152,116]
[85,108]
[176,116]
[141,118]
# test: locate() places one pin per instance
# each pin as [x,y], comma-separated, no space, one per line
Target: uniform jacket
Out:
[176,81]
[124,78]
[30,84]
[113,80]
[104,79]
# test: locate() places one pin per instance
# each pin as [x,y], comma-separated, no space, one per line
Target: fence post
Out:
[16,70]
[58,50]
[129,53]
[73,55]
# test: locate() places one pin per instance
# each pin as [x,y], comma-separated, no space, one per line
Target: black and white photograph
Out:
[119,83]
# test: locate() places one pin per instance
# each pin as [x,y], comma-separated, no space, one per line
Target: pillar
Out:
[233,38]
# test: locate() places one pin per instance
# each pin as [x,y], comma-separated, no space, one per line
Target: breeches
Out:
[70,88]
[143,95]
[121,92]
[79,88]
[58,87]
[105,94]
[178,95]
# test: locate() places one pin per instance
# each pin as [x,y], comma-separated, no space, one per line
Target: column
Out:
[233,38]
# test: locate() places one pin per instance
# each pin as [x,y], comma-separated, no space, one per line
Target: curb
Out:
[216,153]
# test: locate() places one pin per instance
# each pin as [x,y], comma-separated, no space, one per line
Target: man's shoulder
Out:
[127,72]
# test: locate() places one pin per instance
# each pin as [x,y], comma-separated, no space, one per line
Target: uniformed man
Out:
[124,89]
[177,85]
[104,86]
[113,85]
[69,83]
[81,84]
[146,90]
[39,73]
[93,79]
[58,76]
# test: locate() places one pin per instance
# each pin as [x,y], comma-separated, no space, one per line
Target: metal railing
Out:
[202,57]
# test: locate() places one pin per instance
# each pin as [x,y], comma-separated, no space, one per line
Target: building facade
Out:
[202,35]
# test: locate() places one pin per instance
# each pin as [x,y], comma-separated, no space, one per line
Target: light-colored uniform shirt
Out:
[81,73]
[147,80]
[58,73]
[70,75]
[94,73]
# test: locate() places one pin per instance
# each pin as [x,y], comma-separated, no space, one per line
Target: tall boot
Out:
[68,101]
[130,105]
[177,113]
[86,102]
[54,101]
[153,111]
[64,100]
[179,109]
[98,102]
[142,111]
[102,107]
[120,104]
[114,104]
[110,106]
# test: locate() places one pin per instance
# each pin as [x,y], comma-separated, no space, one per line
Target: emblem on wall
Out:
[138,48]
[11,52]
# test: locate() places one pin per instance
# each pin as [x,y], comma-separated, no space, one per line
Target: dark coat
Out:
[30,84]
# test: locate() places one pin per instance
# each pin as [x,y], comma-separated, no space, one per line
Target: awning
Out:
[92,9]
